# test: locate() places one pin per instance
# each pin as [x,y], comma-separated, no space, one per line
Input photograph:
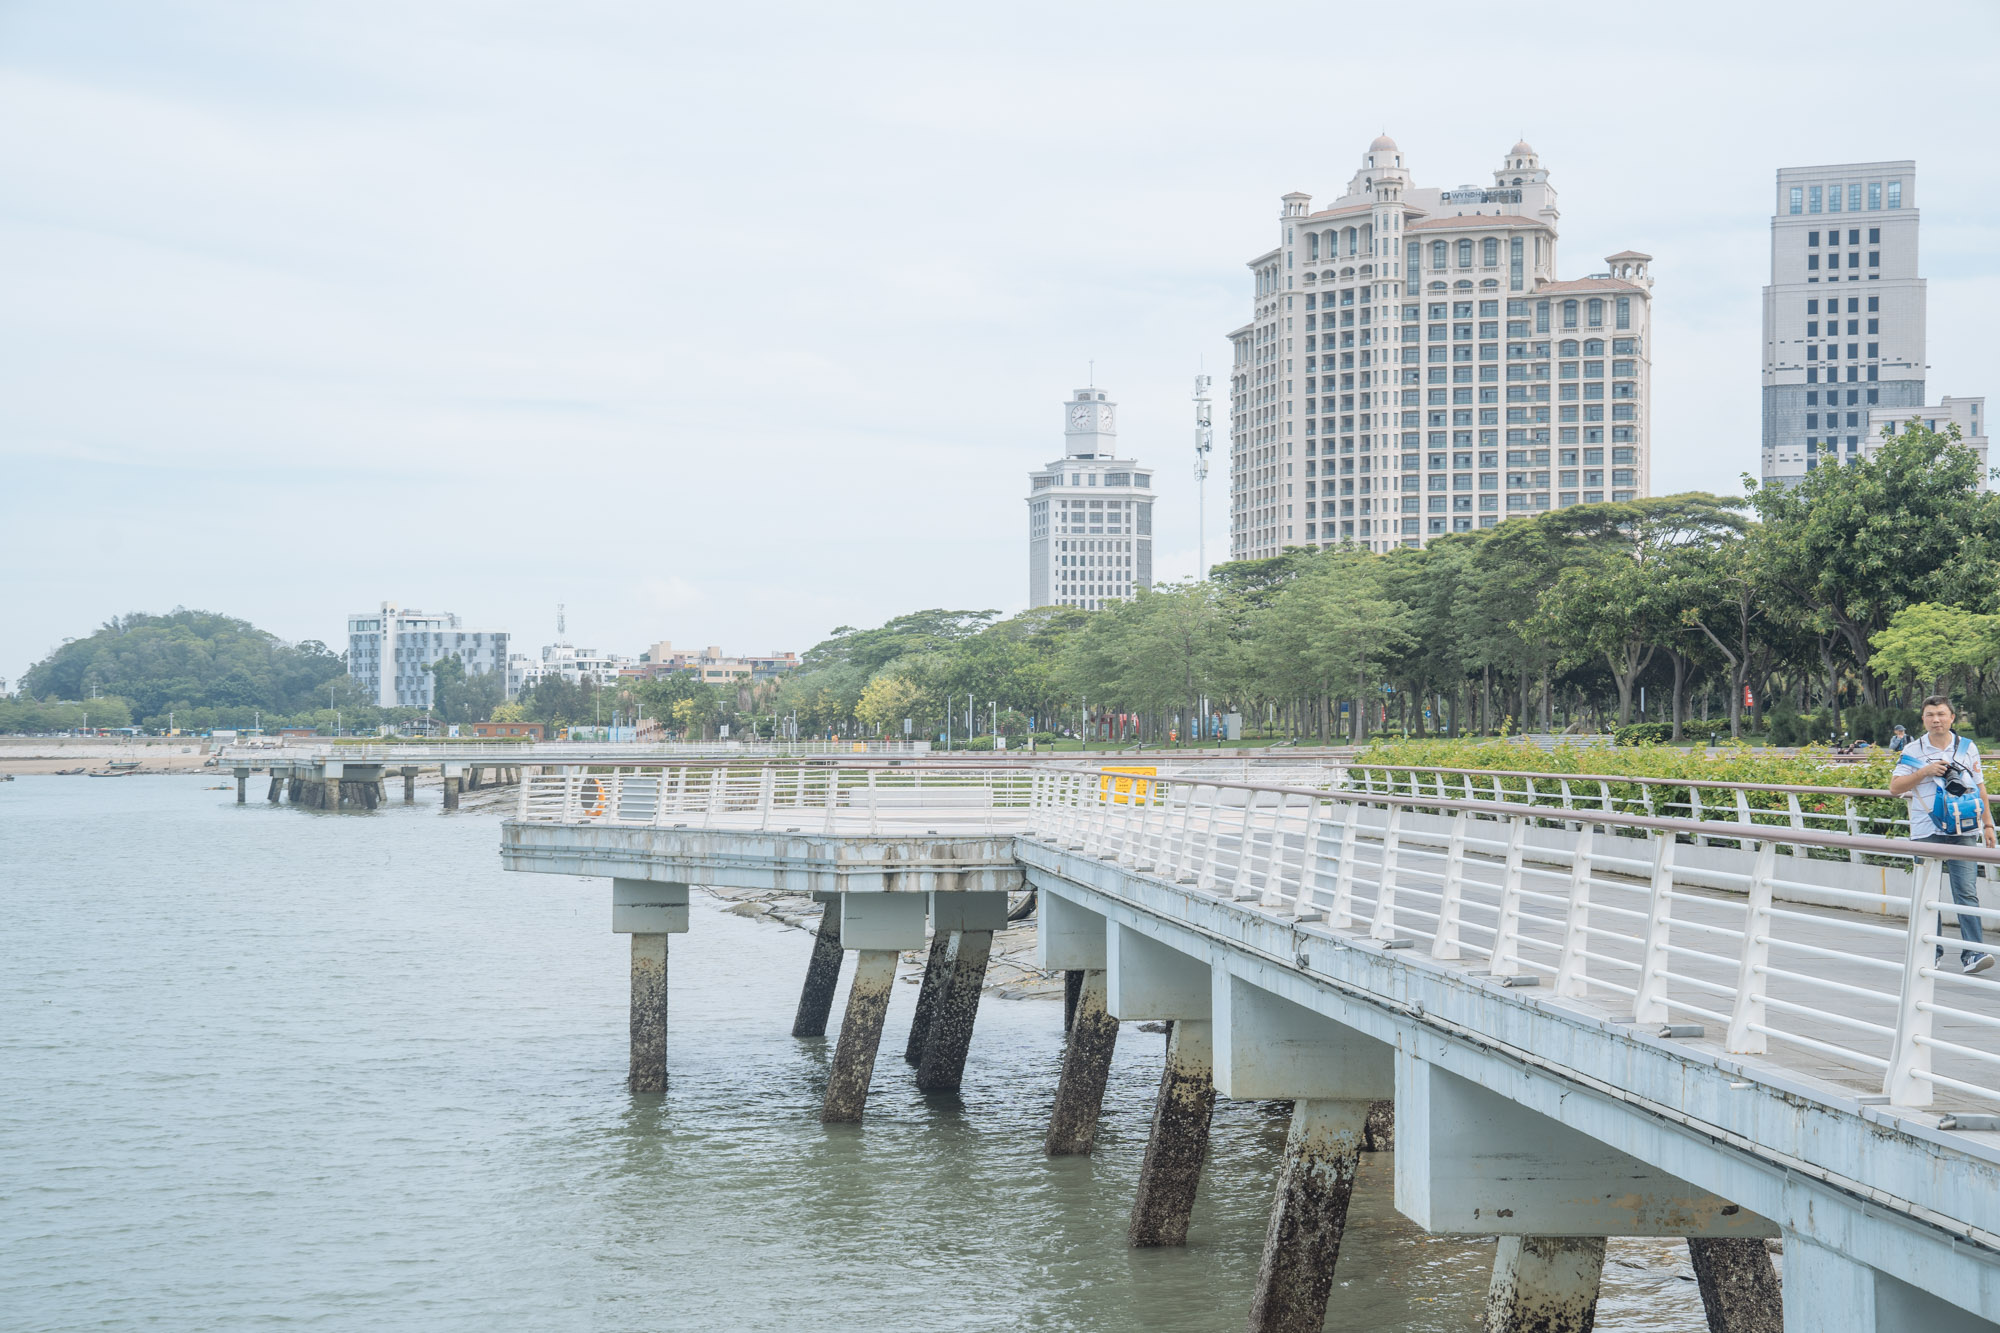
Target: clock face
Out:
[1104,418]
[1079,416]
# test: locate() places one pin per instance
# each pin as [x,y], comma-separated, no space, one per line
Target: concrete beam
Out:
[875,921]
[647,907]
[1149,980]
[1472,1162]
[1068,937]
[968,911]
[1826,1290]
[1269,1049]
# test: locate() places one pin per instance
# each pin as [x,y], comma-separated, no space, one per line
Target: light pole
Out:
[994,705]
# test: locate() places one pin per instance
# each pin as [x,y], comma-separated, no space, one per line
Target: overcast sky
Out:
[733,323]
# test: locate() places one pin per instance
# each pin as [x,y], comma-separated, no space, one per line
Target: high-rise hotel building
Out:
[1844,339]
[1413,366]
[1090,514]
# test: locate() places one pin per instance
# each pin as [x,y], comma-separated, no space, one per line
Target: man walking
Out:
[1927,771]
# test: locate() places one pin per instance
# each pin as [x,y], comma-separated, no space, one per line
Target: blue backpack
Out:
[1957,813]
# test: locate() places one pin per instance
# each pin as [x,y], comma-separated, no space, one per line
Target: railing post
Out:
[1909,1053]
[1854,828]
[1206,873]
[1383,927]
[1302,905]
[767,793]
[832,793]
[1747,1014]
[1342,914]
[1650,1004]
[1506,960]
[1444,944]
[1572,968]
[874,821]
[1240,886]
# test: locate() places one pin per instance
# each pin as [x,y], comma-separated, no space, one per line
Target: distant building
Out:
[1090,514]
[388,651]
[1844,314]
[710,665]
[573,664]
[524,730]
[1968,414]
[1413,365]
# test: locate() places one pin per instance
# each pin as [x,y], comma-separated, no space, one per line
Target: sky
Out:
[732,324]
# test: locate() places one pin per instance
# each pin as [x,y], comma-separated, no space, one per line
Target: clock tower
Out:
[1090,427]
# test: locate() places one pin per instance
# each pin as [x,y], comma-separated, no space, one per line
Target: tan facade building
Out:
[1414,366]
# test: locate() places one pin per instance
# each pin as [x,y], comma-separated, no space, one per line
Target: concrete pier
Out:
[822,974]
[242,786]
[954,1011]
[409,786]
[1178,1145]
[927,995]
[860,1036]
[1322,1152]
[330,800]
[648,1069]
[451,791]
[1545,1284]
[1072,988]
[1086,1067]
[1739,1284]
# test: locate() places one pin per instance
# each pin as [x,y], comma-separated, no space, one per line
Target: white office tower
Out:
[1968,414]
[1090,514]
[1844,317]
[389,650]
[1413,366]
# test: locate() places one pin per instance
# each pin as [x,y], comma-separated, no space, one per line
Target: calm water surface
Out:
[264,1066]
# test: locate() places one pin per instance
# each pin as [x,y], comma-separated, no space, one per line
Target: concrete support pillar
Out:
[409,786]
[1302,1242]
[955,1008]
[292,789]
[648,1070]
[822,974]
[1739,1284]
[277,789]
[1171,1171]
[927,994]
[1381,1136]
[451,791]
[242,786]
[1545,1284]
[1093,1035]
[860,1036]
[1072,988]
[331,792]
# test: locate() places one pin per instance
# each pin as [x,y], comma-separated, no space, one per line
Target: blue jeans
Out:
[1965,892]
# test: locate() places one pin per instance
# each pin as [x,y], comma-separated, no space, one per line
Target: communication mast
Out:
[1204,440]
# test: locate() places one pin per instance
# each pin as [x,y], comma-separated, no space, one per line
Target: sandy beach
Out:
[57,754]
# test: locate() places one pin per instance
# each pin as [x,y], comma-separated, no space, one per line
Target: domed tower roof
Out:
[1521,148]
[1383,143]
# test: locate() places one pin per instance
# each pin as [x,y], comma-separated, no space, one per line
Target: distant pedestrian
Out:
[1939,772]
[1898,738]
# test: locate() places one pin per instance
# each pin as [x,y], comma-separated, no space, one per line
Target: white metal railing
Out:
[1596,903]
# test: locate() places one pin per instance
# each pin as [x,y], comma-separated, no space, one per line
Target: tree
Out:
[1858,542]
[1929,642]
[457,697]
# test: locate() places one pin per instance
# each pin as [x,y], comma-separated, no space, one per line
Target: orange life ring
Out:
[594,798]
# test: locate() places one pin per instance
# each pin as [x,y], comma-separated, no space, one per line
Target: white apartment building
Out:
[1968,414]
[389,649]
[573,664]
[1844,314]
[1090,514]
[1413,366]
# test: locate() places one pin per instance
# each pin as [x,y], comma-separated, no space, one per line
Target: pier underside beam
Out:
[1825,1289]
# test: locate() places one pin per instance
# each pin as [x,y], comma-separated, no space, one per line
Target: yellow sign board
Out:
[1123,790]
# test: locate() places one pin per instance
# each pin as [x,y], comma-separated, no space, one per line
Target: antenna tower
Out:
[1204,440]
[559,621]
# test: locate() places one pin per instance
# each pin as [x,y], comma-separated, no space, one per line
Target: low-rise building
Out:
[573,664]
[710,665]
[520,730]
[1968,414]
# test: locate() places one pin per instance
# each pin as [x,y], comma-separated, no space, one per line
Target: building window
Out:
[1812,261]
[1490,252]
[1416,260]
[1874,259]
[1813,199]
[1874,195]
[1895,194]
[1624,312]
[1569,314]
[1465,252]
[1541,317]
[1596,313]
[1854,198]
[1440,254]
[1797,198]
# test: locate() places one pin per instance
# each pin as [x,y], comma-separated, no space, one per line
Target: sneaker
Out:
[1979,964]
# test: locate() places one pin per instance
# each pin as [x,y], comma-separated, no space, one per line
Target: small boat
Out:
[68,772]
[111,773]
[122,765]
